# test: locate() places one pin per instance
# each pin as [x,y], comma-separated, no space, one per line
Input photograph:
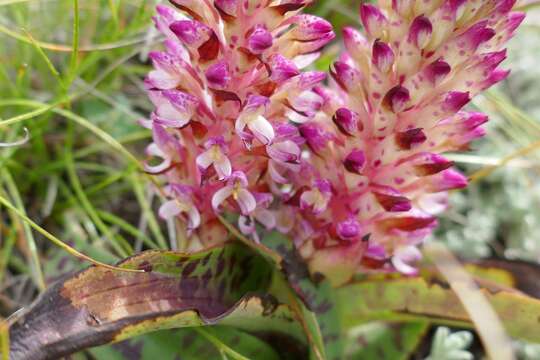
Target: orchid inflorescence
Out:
[348,166]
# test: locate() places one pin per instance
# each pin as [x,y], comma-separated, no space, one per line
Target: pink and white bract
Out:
[351,171]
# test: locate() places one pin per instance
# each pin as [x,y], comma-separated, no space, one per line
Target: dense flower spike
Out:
[352,173]
[226,90]
[398,104]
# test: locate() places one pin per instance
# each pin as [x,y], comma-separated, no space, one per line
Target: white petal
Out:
[262,129]
[405,255]
[296,117]
[239,125]
[223,167]
[169,209]
[246,201]
[402,267]
[194,218]
[158,168]
[154,150]
[220,196]
[205,159]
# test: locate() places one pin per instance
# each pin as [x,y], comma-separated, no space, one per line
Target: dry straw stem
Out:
[66,48]
[4,340]
[486,171]
[486,322]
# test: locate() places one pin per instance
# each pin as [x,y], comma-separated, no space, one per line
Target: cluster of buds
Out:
[351,171]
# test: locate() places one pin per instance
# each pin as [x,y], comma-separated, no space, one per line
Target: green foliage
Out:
[379,340]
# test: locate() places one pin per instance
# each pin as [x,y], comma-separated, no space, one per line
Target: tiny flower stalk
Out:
[349,168]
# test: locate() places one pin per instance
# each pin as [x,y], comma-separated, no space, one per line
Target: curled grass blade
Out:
[42,108]
[4,339]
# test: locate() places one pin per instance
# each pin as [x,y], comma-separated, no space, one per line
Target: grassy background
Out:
[71,74]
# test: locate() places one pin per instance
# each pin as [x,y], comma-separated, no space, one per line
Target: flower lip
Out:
[317,198]
[237,189]
[215,156]
[252,118]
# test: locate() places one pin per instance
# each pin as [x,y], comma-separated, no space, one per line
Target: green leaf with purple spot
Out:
[226,285]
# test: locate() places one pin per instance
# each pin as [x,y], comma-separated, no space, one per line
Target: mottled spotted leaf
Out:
[396,298]
[227,285]
[319,308]
[187,344]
